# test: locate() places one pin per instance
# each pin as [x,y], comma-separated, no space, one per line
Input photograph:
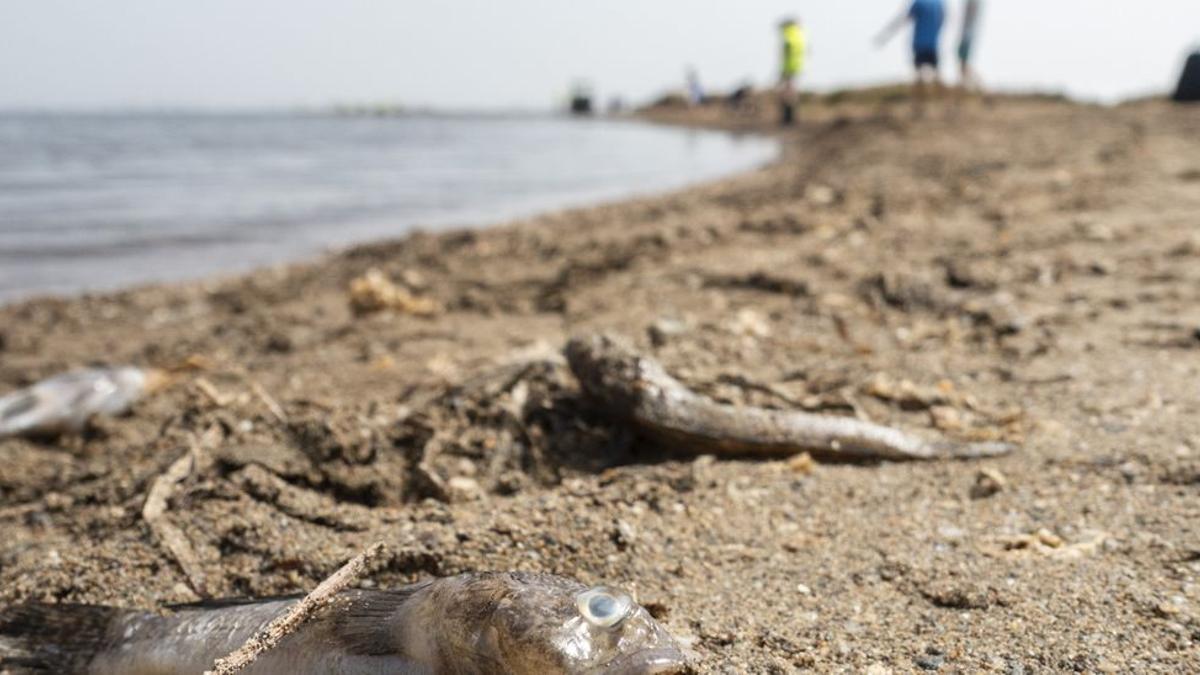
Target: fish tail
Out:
[60,638]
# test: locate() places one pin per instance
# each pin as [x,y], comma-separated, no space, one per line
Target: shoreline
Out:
[858,100]
[1023,273]
[702,119]
[252,225]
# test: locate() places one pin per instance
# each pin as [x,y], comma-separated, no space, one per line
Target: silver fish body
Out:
[66,402]
[517,623]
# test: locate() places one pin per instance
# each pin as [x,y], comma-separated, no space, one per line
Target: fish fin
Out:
[61,638]
[225,603]
[360,621]
[364,625]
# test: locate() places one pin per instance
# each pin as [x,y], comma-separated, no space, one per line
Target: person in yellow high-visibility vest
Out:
[795,46]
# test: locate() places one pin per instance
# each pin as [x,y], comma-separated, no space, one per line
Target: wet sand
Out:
[1028,272]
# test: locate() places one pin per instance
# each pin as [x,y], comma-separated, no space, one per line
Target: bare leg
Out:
[939,89]
[920,93]
[964,81]
[973,84]
[787,100]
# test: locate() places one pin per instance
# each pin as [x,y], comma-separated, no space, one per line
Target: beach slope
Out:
[1026,273]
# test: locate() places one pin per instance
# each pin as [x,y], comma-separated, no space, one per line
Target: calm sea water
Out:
[92,202]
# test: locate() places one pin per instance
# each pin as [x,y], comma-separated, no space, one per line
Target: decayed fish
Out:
[637,389]
[471,624]
[66,402]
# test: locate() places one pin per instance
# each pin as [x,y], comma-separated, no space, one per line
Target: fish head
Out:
[549,624]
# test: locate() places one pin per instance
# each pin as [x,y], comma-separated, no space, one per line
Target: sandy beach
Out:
[1028,272]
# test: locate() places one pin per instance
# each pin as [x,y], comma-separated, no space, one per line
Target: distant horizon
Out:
[525,54]
[406,108]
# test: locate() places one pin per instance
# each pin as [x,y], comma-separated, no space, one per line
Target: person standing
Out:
[695,92]
[1188,90]
[969,81]
[795,44]
[927,17]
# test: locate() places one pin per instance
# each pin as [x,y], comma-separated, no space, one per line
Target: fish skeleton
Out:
[501,622]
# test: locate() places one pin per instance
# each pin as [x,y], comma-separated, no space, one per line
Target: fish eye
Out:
[602,607]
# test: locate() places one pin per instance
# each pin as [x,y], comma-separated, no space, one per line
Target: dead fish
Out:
[506,622]
[66,402]
[636,389]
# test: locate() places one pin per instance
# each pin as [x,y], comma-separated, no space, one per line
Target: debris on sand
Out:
[820,195]
[749,323]
[664,329]
[910,293]
[508,427]
[988,482]
[638,390]
[314,507]
[961,594]
[374,292]
[759,280]
[67,402]
[154,512]
[802,464]
[1046,543]
[909,395]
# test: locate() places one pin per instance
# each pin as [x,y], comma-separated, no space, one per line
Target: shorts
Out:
[925,57]
[964,50]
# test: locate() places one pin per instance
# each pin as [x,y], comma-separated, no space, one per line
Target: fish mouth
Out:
[660,661]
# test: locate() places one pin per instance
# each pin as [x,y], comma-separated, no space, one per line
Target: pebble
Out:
[821,195]
[463,489]
[946,418]
[960,594]
[802,464]
[930,661]
[750,323]
[988,482]
[1166,609]
[1048,538]
[55,501]
[624,535]
[661,331]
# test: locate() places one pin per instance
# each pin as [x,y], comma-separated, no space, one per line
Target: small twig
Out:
[51,501]
[154,512]
[297,614]
[19,510]
[297,502]
[267,400]
[210,391]
[1049,379]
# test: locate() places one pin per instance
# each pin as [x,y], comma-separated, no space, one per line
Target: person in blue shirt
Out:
[927,17]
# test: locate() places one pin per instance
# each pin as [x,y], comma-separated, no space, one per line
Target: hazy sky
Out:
[525,53]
